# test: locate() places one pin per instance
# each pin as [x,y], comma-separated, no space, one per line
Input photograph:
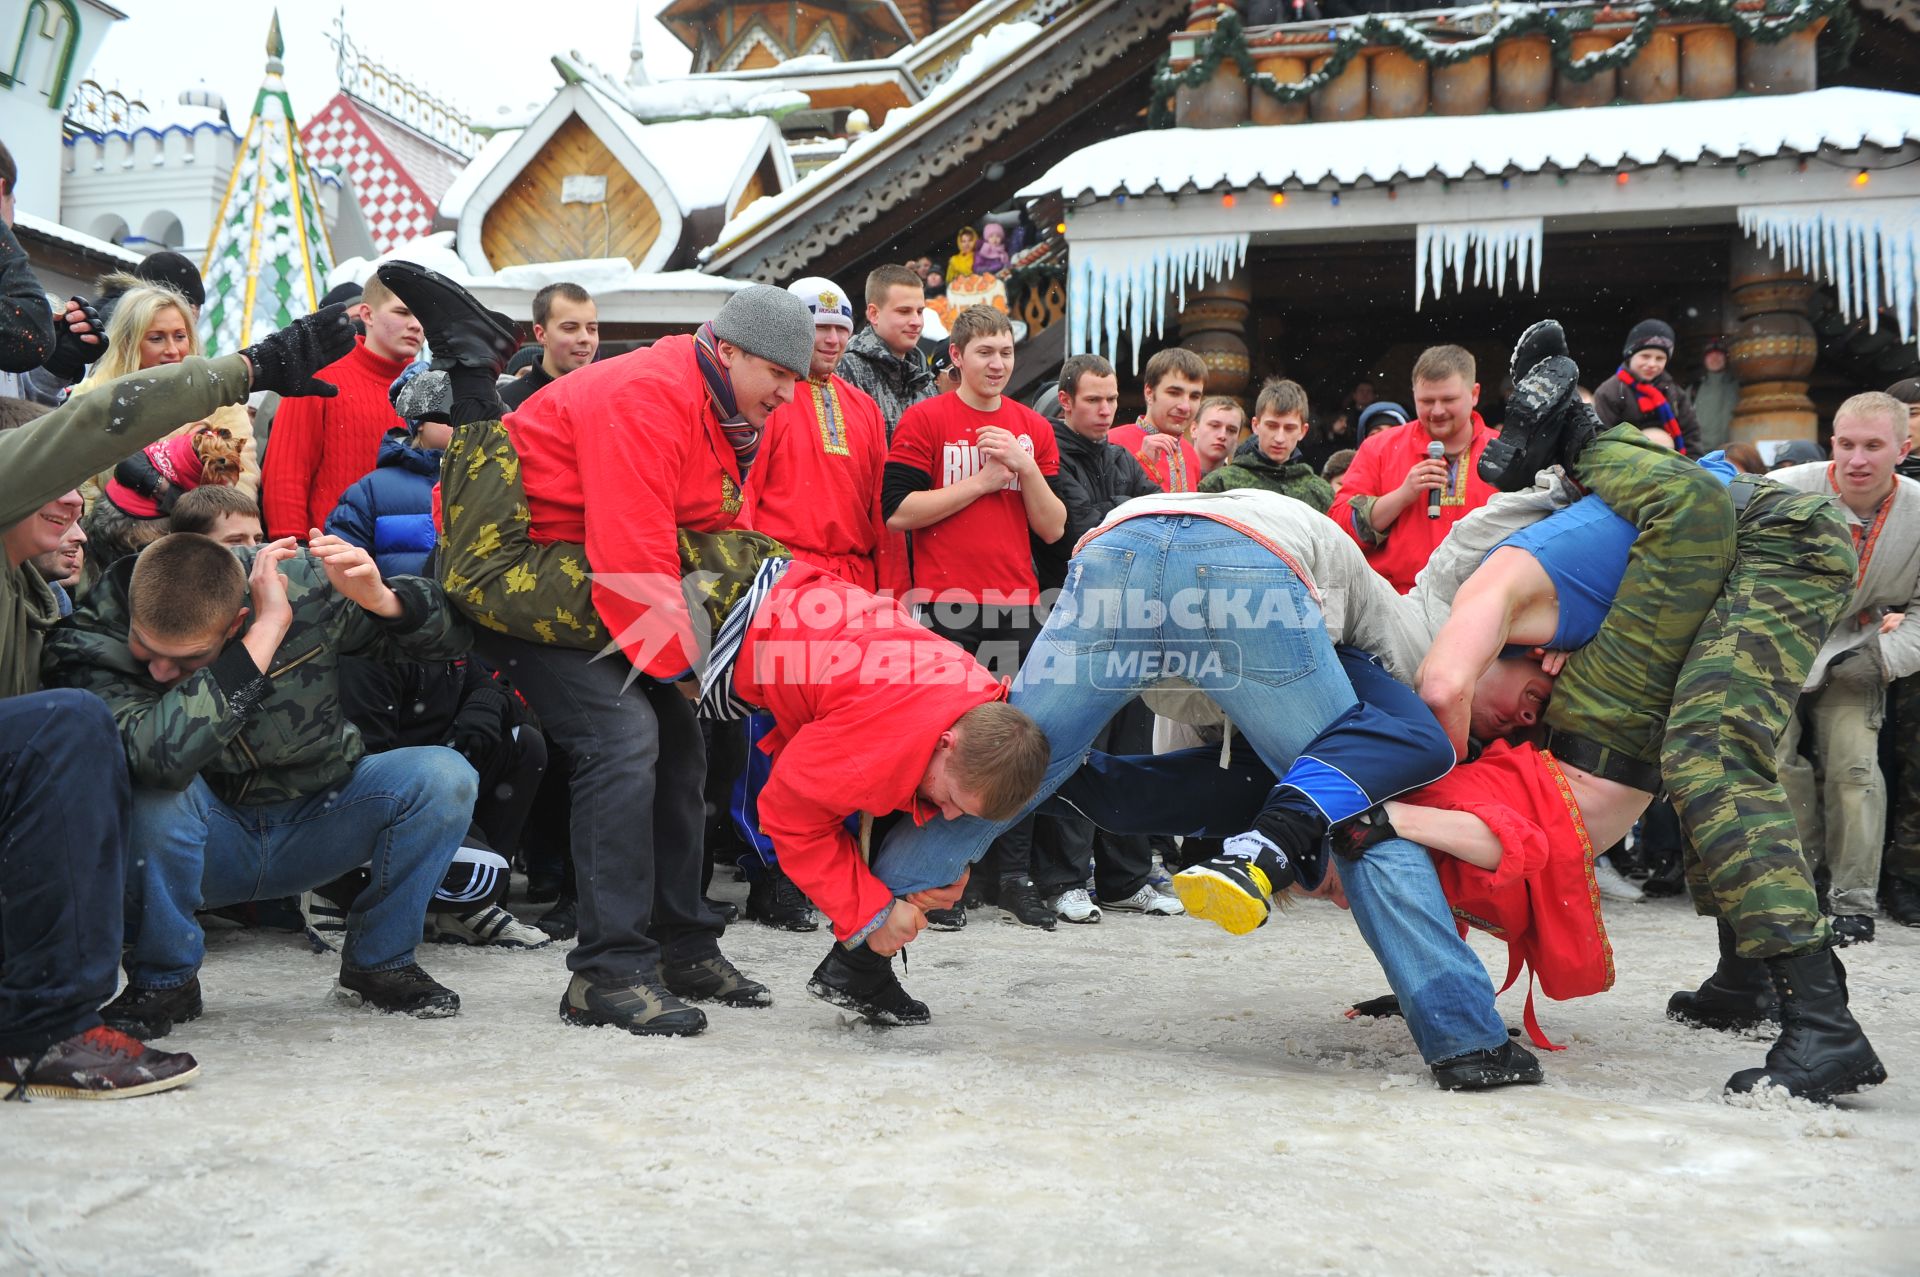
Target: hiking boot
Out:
[101,1064]
[1546,425]
[1738,995]
[1149,900]
[644,1007]
[1019,898]
[489,927]
[1542,340]
[151,1013]
[460,330]
[401,991]
[773,901]
[1613,884]
[1852,928]
[562,922]
[1901,900]
[1821,1051]
[954,919]
[1074,905]
[1235,890]
[1508,1064]
[713,979]
[863,982]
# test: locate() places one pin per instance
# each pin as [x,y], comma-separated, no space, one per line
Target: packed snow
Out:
[1145,1095]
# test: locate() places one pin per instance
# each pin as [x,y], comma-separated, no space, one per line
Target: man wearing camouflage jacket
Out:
[222,673]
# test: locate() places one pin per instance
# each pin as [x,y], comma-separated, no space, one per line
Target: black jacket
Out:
[1093,479]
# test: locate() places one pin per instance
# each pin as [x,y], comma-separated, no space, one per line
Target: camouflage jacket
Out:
[255,738]
[1252,468]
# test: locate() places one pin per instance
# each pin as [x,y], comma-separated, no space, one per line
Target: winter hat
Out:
[174,271]
[347,294]
[1381,415]
[420,394]
[1717,343]
[1907,392]
[771,323]
[525,357]
[1798,452]
[1649,334]
[824,299]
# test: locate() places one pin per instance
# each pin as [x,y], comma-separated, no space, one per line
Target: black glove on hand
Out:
[286,361]
[71,355]
[1351,837]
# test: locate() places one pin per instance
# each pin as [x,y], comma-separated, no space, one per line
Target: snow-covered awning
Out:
[1146,213]
[1377,152]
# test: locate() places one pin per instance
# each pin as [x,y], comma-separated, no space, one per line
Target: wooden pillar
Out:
[1214,326]
[1790,66]
[1523,73]
[1220,103]
[1774,348]
[1343,98]
[1465,88]
[1597,89]
[1654,73]
[1396,85]
[1264,110]
[1709,63]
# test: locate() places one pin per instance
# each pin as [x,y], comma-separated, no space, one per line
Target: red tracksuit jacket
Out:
[859,694]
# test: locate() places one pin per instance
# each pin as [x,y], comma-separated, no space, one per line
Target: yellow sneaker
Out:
[1236,894]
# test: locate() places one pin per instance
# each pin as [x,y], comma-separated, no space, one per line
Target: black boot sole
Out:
[879,1017]
[1721,1022]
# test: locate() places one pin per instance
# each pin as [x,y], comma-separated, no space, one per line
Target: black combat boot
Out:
[863,982]
[1738,995]
[461,332]
[1547,425]
[1821,1052]
[774,901]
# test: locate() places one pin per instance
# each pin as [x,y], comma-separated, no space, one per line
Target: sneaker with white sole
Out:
[1613,885]
[1074,905]
[1148,900]
[489,927]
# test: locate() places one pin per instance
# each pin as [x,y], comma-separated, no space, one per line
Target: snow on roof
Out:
[988,51]
[691,99]
[454,202]
[1348,152]
[702,161]
[47,228]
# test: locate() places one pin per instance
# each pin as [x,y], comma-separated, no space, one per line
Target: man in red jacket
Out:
[1385,501]
[872,713]
[618,456]
[320,447]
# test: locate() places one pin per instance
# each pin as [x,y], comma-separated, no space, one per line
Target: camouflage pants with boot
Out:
[1738,689]
[1616,691]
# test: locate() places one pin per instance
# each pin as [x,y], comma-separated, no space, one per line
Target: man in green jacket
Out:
[222,672]
[1268,461]
[63,791]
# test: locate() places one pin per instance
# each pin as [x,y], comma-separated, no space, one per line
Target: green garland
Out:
[1781,19]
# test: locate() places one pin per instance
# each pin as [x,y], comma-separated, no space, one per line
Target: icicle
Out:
[1116,285]
[1439,247]
[1869,251]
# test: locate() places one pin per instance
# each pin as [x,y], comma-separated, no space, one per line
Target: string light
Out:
[1336,199]
[1861,178]
[1392,193]
[1280,197]
[1506,183]
[1621,179]
[1227,200]
[1061,228]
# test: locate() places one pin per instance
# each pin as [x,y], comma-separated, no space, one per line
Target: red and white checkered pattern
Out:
[392,200]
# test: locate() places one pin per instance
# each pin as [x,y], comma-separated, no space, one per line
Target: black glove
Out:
[286,361]
[71,355]
[1351,837]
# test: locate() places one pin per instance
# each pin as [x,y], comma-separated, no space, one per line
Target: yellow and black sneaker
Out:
[1236,889]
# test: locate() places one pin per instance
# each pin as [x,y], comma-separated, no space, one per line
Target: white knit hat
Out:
[825,299]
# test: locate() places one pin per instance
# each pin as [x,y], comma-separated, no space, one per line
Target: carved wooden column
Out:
[1773,349]
[1214,326]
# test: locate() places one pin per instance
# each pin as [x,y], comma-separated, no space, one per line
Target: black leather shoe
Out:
[562,922]
[151,1013]
[1019,897]
[1508,1064]
[773,901]
[713,979]
[862,981]
[461,331]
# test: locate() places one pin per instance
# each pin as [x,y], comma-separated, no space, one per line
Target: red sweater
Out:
[815,486]
[859,695]
[318,448]
[618,455]
[1379,467]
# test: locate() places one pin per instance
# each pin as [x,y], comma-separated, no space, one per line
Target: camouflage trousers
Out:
[1616,690]
[1791,579]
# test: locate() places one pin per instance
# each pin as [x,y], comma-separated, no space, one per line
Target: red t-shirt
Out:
[984,548]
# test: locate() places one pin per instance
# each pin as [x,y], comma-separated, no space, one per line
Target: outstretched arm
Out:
[1458,833]
[1481,622]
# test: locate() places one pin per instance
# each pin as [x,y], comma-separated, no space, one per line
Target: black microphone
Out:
[1435,451]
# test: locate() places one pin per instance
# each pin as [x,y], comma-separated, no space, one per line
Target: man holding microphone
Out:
[1410,484]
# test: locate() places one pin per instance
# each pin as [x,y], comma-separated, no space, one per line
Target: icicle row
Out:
[1869,252]
[1439,248]
[1116,284]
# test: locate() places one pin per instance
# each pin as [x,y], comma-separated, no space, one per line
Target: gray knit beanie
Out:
[771,323]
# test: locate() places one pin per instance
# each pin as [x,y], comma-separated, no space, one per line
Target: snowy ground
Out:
[1145,1095]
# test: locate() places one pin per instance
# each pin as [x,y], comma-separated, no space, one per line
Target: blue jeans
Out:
[1241,626]
[404,812]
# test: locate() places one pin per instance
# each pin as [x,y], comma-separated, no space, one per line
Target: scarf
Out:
[744,436]
[1653,406]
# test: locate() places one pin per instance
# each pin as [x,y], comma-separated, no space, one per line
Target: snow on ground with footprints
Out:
[1147,1094]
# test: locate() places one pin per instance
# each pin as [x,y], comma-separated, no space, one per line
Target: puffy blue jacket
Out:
[390,512]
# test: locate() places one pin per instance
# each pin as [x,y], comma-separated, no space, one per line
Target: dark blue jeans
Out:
[63,853]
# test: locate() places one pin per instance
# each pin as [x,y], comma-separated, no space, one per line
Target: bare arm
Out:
[1466,645]
[1458,833]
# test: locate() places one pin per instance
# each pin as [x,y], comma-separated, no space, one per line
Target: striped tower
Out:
[268,260]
